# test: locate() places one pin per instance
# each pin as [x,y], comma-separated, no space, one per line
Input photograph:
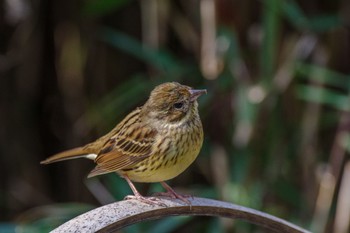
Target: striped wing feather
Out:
[132,142]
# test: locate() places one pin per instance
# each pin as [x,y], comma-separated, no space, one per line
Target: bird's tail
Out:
[79,152]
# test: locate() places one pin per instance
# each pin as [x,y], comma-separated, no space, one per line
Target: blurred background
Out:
[276,116]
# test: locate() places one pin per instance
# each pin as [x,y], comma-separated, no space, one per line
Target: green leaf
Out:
[112,107]
[271,20]
[323,76]
[324,23]
[161,60]
[295,15]
[298,19]
[324,96]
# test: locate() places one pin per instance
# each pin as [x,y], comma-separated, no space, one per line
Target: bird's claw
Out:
[174,195]
[147,200]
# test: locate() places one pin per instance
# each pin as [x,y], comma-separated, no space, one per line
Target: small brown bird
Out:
[154,143]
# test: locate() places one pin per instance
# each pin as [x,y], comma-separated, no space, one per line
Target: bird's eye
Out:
[178,105]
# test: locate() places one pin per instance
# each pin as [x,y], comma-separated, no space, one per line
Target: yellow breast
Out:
[174,151]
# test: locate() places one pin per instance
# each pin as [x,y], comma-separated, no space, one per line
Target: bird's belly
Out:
[163,170]
[175,150]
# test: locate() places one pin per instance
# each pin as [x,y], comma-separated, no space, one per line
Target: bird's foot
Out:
[174,195]
[139,197]
[147,200]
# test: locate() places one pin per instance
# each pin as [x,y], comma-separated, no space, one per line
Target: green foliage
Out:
[319,23]
[325,87]
[46,218]
[271,20]
[113,107]
[161,60]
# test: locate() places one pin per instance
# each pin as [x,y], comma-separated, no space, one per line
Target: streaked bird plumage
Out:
[153,143]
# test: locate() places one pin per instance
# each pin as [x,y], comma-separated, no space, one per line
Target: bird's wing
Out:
[131,144]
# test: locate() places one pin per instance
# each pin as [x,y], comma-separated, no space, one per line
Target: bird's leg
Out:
[132,186]
[138,196]
[172,194]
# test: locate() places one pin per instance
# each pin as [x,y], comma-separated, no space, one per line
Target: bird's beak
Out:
[196,93]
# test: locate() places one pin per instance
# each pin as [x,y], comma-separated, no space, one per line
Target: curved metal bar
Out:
[115,216]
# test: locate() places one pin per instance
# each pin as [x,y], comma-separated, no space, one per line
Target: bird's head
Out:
[172,102]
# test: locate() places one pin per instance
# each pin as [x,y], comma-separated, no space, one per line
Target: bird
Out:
[154,143]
